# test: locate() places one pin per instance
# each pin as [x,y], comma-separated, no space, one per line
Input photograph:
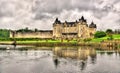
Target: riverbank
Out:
[112,43]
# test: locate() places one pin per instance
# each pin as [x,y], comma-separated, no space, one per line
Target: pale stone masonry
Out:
[77,29]
[62,30]
[44,34]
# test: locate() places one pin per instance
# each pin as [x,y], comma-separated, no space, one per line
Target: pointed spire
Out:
[65,21]
[57,21]
[82,18]
[92,25]
[76,21]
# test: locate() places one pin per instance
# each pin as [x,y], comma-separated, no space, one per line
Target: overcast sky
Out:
[16,14]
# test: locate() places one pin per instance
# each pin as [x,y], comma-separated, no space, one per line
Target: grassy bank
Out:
[52,42]
[115,37]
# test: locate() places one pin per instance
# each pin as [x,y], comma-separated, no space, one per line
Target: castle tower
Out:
[12,34]
[82,26]
[57,28]
[92,29]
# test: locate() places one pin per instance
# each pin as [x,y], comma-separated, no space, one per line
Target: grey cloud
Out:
[118,21]
[4,11]
[57,6]
[39,12]
[116,1]
[40,16]
[104,7]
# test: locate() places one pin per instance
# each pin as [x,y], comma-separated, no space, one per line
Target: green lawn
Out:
[35,40]
[115,36]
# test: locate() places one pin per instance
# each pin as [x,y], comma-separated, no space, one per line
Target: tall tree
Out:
[109,31]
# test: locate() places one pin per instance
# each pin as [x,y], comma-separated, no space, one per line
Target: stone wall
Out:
[47,34]
[91,32]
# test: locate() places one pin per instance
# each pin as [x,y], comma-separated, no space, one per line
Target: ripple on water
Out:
[68,61]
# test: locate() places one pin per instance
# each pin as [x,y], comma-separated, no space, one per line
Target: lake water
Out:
[60,60]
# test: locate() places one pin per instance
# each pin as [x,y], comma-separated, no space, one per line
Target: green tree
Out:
[4,33]
[99,34]
[24,30]
[109,31]
[36,30]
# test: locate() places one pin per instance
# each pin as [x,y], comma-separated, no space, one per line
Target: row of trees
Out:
[27,30]
[4,33]
[117,31]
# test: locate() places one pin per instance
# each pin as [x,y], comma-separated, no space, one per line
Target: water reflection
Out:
[93,56]
[110,53]
[75,53]
[56,62]
[60,60]
[83,65]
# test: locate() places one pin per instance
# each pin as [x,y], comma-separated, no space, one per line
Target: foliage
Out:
[24,30]
[109,31]
[99,34]
[4,33]
[36,30]
[110,37]
[87,39]
[117,31]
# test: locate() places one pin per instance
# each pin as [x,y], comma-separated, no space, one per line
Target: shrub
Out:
[110,37]
[99,34]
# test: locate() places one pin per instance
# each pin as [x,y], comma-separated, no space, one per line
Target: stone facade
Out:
[77,29]
[39,34]
[65,30]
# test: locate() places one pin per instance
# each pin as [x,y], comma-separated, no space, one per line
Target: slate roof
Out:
[57,21]
[92,25]
[82,19]
[70,23]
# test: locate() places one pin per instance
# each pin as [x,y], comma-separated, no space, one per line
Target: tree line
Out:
[27,30]
[5,33]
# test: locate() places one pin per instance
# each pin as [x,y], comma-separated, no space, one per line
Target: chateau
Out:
[64,30]
[77,29]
